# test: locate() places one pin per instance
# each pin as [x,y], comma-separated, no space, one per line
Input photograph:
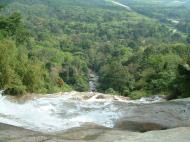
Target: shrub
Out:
[111,91]
[15,91]
[138,94]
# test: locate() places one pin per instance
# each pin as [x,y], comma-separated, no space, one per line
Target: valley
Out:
[94,70]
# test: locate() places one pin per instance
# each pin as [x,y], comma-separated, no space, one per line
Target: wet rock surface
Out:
[156,116]
[15,134]
[93,134]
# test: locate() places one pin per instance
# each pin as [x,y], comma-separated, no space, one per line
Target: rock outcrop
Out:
[156,116]
[93,134]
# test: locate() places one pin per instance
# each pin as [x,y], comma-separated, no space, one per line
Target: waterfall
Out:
[62,111]
[56,113]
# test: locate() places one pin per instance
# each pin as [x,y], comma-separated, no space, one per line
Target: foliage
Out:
[183,81]
[138,94]
[49,46]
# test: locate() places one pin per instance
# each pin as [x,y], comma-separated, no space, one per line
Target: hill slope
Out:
[133,53]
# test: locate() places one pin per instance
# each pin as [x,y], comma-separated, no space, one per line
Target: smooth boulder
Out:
[93,134]
[156,116]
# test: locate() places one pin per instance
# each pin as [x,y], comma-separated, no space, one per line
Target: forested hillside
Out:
[50,45]
[174,14]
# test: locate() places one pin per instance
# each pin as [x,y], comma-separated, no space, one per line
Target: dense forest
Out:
[50,45]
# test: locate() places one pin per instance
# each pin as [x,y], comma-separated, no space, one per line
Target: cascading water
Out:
[52,113]
[56,113]
[93,81]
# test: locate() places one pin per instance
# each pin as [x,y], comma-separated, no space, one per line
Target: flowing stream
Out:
[56,113]
[93,81]
[51,113]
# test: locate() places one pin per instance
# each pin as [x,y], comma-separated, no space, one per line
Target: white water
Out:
[50,114]
[93,80]
[61,112]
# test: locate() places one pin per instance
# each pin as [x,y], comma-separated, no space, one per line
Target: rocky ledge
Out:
[156,116]
[156,122]
[93,134]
